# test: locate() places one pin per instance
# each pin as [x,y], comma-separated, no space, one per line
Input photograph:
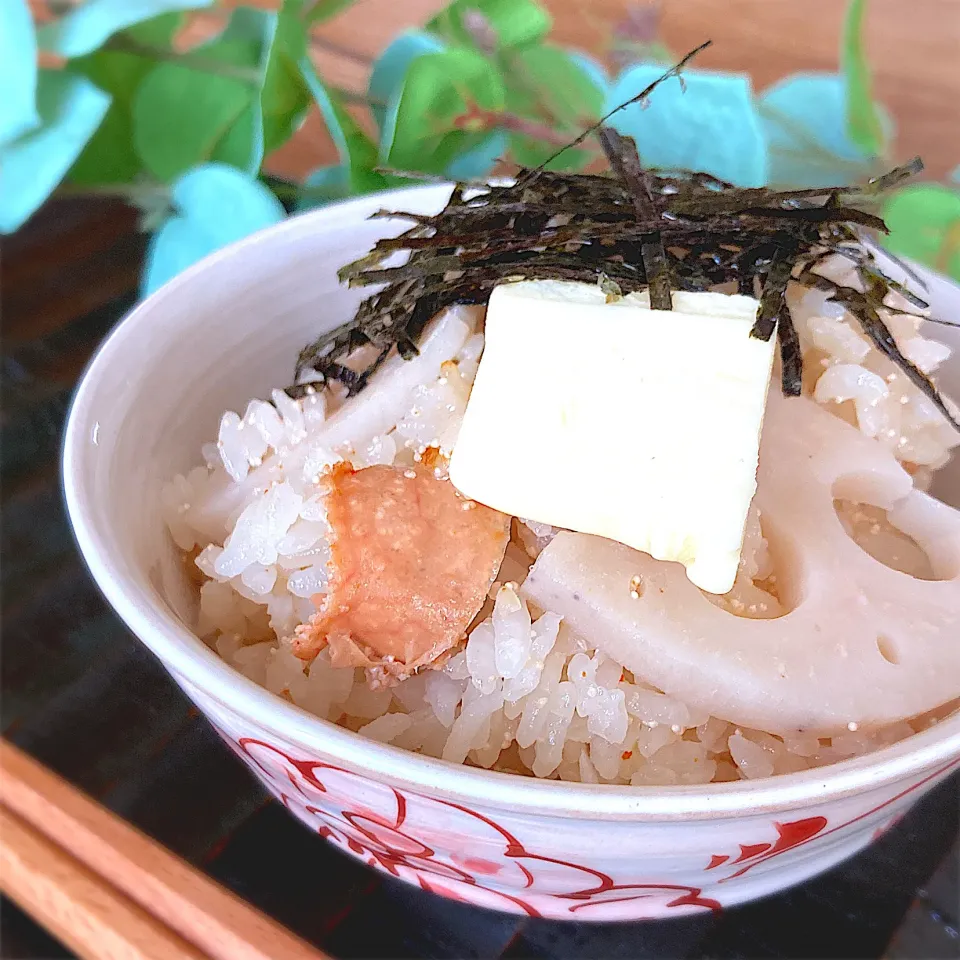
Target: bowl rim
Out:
[932,751]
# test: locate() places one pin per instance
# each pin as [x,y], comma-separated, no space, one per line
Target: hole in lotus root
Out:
[870,528]
[888,649]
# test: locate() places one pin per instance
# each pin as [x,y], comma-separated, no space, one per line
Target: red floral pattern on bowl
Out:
[505,861]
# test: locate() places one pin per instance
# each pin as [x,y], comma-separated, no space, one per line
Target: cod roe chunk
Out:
[411,564]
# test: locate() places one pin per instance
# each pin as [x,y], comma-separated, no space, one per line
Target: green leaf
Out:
[87,26]
[214,205]
[18,72]
[513,23]
[447,106]
[284,95]
[284,103]
[548,84]
[187,113]
[477,162]
[530,151]
[248,42]
[713,127]
[864,126]
[391,67]
[326,10]
[551,87]
[386,84]
[804,121]
[242,146]
[924,223]
[110,156]
[358,153]
[70,109]
[180,116]
[269,45]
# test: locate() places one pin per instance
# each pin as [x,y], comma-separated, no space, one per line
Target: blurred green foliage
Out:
[184,134]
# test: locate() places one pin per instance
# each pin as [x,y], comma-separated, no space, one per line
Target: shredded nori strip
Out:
[636,230]
[624,160]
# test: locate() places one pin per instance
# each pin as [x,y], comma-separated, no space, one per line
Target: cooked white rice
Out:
[526,694]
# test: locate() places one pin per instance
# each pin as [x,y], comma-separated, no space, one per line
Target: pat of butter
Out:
[639,425]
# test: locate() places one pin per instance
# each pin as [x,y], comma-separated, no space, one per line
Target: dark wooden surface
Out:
[81,695]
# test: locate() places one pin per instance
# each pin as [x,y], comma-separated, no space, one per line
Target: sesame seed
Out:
[410,474]
[853,727]
[676,728]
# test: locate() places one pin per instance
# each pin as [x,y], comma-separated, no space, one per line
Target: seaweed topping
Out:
[633,229]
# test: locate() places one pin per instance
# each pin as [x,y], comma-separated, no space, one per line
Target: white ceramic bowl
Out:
[229,329]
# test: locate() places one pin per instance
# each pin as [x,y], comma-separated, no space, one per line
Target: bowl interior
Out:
[227,330]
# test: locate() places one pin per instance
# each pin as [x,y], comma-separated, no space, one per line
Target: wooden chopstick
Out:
[209,918]
[75,905]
